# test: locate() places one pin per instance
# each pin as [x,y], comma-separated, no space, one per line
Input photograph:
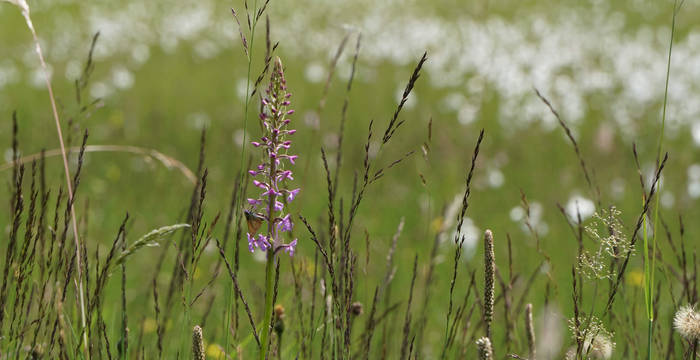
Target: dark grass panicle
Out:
[459,238]
[593,187]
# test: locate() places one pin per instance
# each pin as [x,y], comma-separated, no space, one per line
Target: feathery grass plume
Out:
[530,332]
[197,344]
[485,348]
[607,232]
[687,323]
[489,280]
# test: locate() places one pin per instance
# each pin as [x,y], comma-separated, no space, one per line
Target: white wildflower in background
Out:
[579,205]
[549,333]
[687,322]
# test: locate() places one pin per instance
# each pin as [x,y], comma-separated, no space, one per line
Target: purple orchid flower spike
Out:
[271,176]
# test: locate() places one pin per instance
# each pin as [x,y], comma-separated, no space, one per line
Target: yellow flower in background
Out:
[635,277]
[436,224]
[215,351]
[149,325]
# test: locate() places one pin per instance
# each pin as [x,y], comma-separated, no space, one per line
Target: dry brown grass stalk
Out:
[22,4]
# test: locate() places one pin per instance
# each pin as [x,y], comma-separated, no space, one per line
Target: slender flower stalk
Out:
[248,48]
[271,177]
[650,259]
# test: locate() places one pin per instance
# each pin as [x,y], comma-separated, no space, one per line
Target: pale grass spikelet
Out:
[197,344]
[489,280]
[150,240]
[530,331]
[687,322]
[485,349]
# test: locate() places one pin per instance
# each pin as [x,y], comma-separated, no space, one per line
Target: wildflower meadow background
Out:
[349,179]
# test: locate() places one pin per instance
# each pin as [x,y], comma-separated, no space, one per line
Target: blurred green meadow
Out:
[164,72]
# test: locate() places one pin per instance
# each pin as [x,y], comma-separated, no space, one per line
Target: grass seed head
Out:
[485,349]
[197,344]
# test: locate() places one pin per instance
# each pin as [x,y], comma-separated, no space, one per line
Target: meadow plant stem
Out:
[269,276]
[267,319]
[47,78]
[650,269]
[650,333]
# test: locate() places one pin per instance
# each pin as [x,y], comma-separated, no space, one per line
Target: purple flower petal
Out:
[292,194]
[251,243]
[262,242]
[291,247]
[261,185]
[285,224]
